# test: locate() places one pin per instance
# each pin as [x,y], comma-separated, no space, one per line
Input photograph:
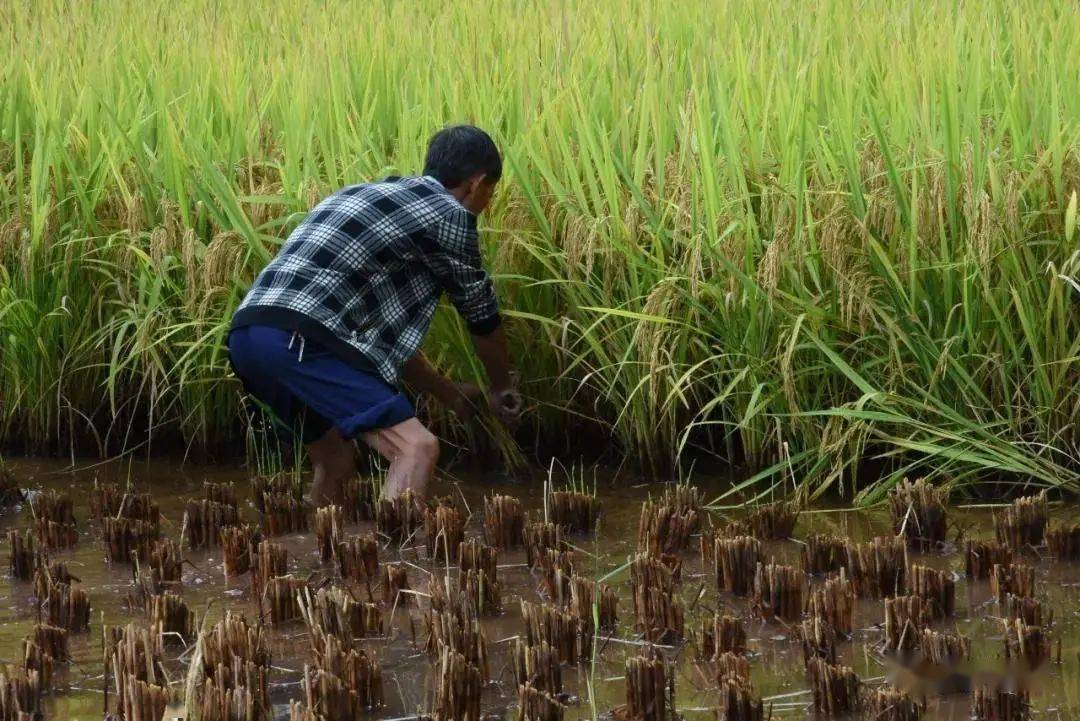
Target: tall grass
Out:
[802,237]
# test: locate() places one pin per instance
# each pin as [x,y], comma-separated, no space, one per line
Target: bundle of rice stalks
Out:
[329,527]
[824,553]
[238,546]
[203,521]
[575,511]
[539,537]
[346,682]
[474,555]
[878,568]
[169,612]
[127,540]
[278,603]
[835,688]
[944,649]
[996,704]
[67,607]
[164,567]
[1029,610]
[108,500]
[735,561]
[359,499]
[482,592]
[556,568]
[773,521]
[398,518]
[458,688]
[778,592]
[720,634]
[650,690]
[739,702]
[280,484]
[270,560]
[22,554]
[537,666]
[20,694]
[834,601]
[1016,578]
[665,526]
[35,661]
[504,521]
[583,598]
[283,513]
[137,656]
[228,676]
[935,586]
[461,634]
[659,616]
[223,493]
[141,701]
[1023,524]
[980,557]
[1064,542]
[396,585]
[918,513]
[51,640]
[54,536]
[537,705]
[818,639]
[558,629]
[1028,643]
[334,611]
[47,573]
[444,528]
[891,704]
[731,665]
[301,712]
[53,506]
[905,618]
[658,610]
[358,558]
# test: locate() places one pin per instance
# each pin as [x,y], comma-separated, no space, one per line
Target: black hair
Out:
[458,152]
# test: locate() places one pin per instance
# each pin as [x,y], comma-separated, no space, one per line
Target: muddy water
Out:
[776,658]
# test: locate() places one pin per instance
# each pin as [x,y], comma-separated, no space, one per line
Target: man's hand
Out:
[507,406]
[465,401]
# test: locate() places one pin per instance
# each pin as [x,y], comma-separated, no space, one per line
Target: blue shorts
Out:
[309,394]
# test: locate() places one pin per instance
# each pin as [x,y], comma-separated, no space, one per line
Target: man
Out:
[335,321]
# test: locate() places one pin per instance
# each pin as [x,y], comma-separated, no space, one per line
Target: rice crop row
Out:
[791,244]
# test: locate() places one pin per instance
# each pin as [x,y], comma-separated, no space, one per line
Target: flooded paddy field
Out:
[595,686]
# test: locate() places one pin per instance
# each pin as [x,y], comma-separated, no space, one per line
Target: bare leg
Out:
[332,460]
[412,451]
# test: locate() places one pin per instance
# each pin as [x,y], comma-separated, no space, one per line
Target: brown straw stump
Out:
[1017,579]
[720,634]
[1064,542]
[358,558]
[892,704]
[1030,644]
[283,513]
[539,537]
[329,528]
[739,702]
[980,557]
[238,545]
[878,568]
[944,649]
[504,521]
[278,601]
[918,513]
[395,584]
[650,689]
[203,521]
[359,498]
[1023,524]
[575,511]
[824,553]
[557,628]
[127,540]
[537,705]
[834,601]
[22,554]
[735,562]
[992,703]
[905,618]
[171,613]
[271,559]
[538,666]
[778,592]
[935,586]
[1027,609]
[444,529]
[774,521]
[398,518]
[818,640]
[835,688]
[458,686]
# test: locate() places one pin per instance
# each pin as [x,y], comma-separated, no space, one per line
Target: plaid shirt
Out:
[364,271]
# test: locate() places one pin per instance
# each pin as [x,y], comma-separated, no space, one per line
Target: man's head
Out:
[465,160]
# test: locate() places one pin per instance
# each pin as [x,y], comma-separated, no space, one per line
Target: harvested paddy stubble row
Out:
[358,558]
[504,521]
[537,705]
[918,513]
[334,610]
[735,561]
[720,634]
[1022,525]
[665,526]
[238,545]
[650,689]
[934,586]
[890,704]
[778,592]
[204,521]
[1064,542]
[329,527]
[980,557]
[444,528]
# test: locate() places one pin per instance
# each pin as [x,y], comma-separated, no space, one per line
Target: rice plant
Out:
[853,239]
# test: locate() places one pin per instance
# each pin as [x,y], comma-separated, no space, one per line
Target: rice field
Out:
[834,243]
